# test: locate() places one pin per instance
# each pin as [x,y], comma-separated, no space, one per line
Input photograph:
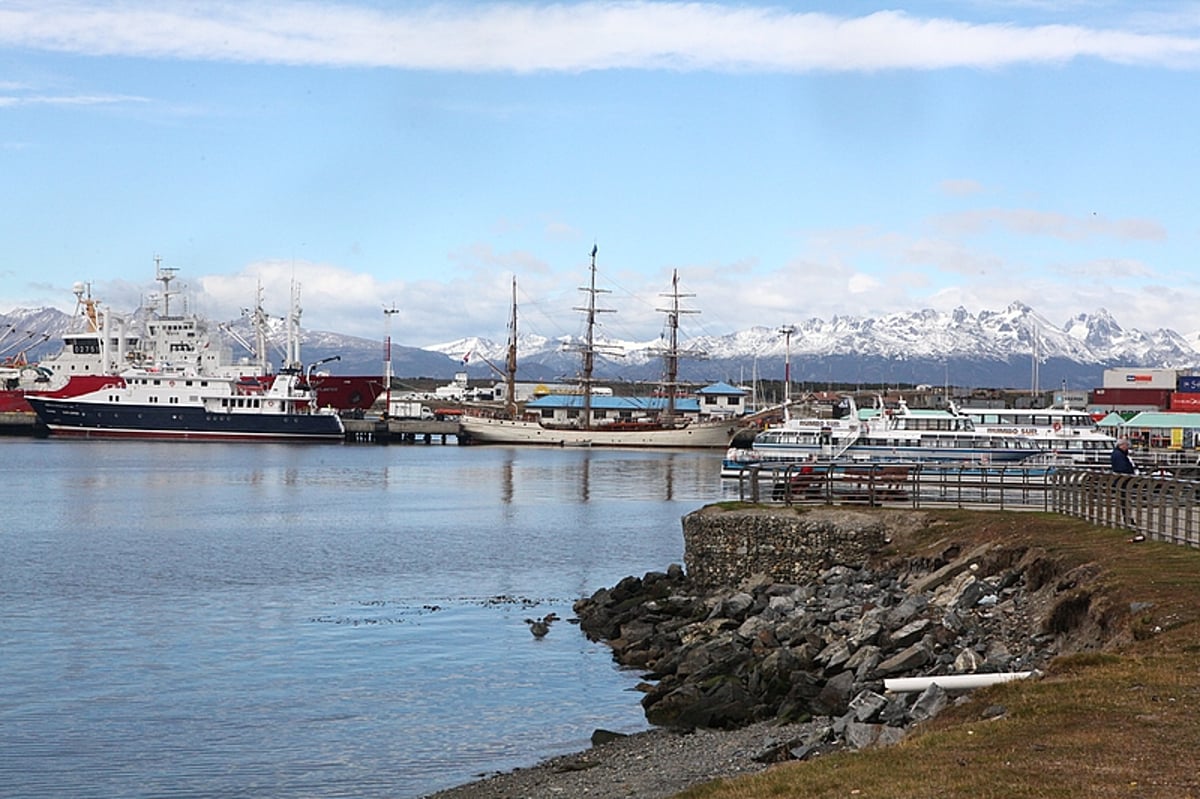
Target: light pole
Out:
[387,359]
[787,331]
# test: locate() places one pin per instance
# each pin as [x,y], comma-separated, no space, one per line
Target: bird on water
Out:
[539,627]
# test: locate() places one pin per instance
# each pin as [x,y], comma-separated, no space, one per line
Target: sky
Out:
[404,162]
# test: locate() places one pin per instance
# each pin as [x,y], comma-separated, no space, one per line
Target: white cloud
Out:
[860,283]
[13,100]
[564,37]
[1053,224]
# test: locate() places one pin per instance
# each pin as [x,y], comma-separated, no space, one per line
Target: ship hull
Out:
[704,435]
[67,418]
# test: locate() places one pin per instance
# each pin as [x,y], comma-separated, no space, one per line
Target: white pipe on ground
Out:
[953,682]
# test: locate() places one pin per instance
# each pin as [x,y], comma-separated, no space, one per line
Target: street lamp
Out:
[387,359]
[787,331]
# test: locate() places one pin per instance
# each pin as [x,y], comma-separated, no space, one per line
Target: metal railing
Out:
[1159,507]
[1162,508]
[913,485]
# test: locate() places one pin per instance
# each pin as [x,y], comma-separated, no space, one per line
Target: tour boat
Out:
[1065,435]
[882,436]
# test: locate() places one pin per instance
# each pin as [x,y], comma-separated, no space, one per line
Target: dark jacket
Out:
[1121,464]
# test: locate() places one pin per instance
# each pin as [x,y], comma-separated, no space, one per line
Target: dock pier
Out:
[400,431]
[16,423]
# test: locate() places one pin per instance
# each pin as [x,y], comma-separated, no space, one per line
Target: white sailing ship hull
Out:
[706,435]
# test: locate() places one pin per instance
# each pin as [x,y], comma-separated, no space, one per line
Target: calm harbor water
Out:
[210,620]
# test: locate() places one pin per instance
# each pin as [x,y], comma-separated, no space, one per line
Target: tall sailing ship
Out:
[645,422]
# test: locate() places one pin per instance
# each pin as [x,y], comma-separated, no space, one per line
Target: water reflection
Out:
[506,479]
[588,474]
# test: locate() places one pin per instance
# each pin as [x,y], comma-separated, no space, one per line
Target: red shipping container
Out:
[1158,397]
[1185,402]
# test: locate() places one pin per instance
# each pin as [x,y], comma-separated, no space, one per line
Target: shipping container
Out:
[1140,378]
[1188,384]
[1070,399]
[1189,402]
[1121,398]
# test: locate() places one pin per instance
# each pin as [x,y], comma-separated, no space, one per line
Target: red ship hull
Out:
[13,400]
[346,393]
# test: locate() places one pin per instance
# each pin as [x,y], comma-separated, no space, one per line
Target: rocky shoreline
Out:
[741,677]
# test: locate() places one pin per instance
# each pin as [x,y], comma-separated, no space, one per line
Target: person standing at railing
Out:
[1122,464]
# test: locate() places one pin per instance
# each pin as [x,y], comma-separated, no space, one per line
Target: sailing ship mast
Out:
[510,363]
[671,354]
[588,347]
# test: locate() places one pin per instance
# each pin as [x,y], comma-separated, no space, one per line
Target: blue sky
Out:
[791,160]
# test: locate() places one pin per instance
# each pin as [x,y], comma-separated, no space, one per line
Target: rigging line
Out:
[531,305]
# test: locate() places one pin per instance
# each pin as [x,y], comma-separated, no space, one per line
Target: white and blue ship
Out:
[175,404]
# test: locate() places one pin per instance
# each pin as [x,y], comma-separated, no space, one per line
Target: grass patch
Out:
[1119,720]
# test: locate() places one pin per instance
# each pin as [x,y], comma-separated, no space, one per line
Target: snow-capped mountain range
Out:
[996,349]
[988,349]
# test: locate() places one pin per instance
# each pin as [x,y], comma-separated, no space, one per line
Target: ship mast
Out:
[292,356]
[671,354]
[589,342]
[258,321]
[164,275]
[510,363]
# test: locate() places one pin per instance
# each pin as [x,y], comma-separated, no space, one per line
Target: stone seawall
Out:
[724,546]
[795,615]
